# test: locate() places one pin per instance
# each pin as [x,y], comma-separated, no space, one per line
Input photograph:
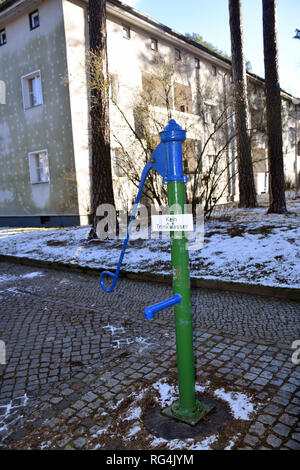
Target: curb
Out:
[286,293]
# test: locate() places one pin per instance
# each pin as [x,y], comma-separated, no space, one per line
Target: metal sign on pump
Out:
[167,161]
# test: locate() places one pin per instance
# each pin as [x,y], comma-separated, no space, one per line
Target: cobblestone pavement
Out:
[74,354]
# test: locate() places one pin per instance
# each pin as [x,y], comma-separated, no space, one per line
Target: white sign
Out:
[172,223]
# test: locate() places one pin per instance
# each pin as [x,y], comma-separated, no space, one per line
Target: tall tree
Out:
[245,164]
[102,187]
[277,202]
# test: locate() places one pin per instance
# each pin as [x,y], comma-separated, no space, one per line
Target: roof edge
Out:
[8,3]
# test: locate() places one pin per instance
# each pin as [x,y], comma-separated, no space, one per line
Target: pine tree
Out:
[245,164]
[277,203]
[102,187]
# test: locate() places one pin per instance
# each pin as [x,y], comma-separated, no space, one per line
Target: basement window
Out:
[34,19]
[3,39]
[39,167]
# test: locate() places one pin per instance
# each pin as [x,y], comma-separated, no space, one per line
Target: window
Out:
[126,32]
[34,20]
[154,91]
[210,108]
[154,44]
[214,70]
[207,117]
[183,98]
[32,90]
[197,63]
[39,167]
[3,39]
[177,54]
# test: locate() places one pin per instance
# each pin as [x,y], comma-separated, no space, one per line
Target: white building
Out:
[44,123]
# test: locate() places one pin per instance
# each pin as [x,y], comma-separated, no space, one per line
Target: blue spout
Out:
[150,311]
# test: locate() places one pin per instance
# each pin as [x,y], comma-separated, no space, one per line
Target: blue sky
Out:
[211,20]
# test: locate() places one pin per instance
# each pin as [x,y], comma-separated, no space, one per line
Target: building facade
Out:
[155,74]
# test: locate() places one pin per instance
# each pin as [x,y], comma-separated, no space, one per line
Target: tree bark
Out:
[245,165]
[277,202]
[102,187]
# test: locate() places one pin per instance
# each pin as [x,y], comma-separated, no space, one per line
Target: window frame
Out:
[33,171]
[210,108]
[3,43]
[178,55]
[25,81]
[155,42]
[31,17]
[214,70]
[126,30]
[197,63]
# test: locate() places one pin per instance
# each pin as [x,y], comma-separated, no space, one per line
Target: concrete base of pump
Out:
[200,413]
[169,428]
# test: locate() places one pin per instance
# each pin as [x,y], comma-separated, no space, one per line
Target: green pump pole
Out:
[187,408]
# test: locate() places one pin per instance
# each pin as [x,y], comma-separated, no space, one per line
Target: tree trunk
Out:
[102,187]
[245,164]
[273,102]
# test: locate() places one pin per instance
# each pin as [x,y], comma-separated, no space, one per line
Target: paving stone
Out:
[293,410]
[89,397]
[288,419]
[78,405]
[272,410]
[294,445]
[296,436]
[257,428]
[251,440]
[282,429]
[274,441]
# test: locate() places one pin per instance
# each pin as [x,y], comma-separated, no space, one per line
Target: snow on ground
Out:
[241,406]
[187,444]
[9,412]
[247,246]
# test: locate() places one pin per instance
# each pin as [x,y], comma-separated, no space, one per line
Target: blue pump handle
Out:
[115,275]
[171,170]
[150,311]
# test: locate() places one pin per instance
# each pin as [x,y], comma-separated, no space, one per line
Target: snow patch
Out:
[167,393]
[241,406]
[134,413]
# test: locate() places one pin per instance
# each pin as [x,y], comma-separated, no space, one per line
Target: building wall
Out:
[47,126]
